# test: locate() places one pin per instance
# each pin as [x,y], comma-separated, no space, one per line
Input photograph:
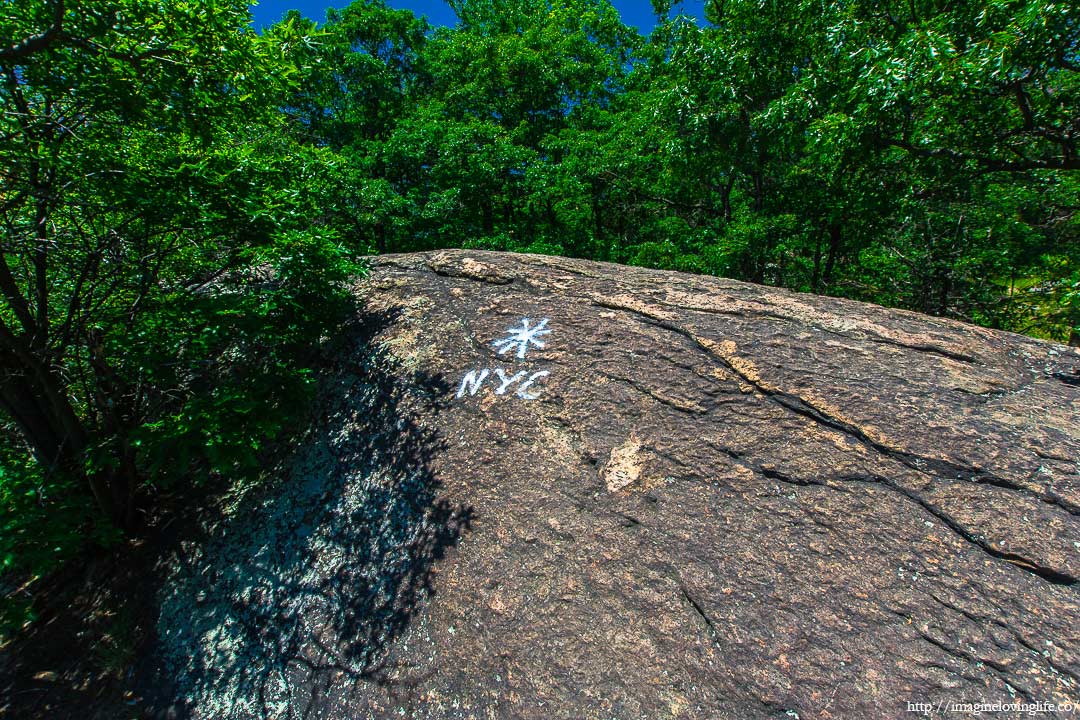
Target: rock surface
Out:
[547,488]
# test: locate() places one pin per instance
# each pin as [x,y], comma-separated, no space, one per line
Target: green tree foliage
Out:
[920,155]
[171,258]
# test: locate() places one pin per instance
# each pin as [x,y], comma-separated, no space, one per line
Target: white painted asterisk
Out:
[522,337]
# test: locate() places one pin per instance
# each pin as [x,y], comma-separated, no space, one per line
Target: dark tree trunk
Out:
[598,220]
[815,281]
[34,399]
[725,197]
[944,288]
[380,237]
[40,431]
[759,191]
[489,217]
[835,239]
[117,411]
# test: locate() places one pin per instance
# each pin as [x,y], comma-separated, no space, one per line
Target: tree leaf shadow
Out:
[305,581]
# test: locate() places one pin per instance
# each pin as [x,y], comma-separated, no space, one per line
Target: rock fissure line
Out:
[987,395]
[1049,574]
[738,457]
[977,619]
[801,406]
[619,519]
[1072,677]
[774,474]
[866,334]
[1003,392]
[481,348]
[687,471]
[1050,456]
[917,347]
[383,262]
[1055,577]
[1068,379]
[933,467]
[729,313]
[463,274]
[961,654]
[817,520]
[553,262]
[999,669]
[686,408]
[713,633]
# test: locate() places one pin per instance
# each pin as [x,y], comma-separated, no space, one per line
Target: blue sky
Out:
[634,12]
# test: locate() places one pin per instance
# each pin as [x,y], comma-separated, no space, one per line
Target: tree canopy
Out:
[918,155]
[170,260]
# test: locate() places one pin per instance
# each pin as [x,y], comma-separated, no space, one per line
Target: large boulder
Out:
[549,488]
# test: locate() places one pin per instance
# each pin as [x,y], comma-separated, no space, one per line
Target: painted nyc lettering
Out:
[501,382]
[517,343]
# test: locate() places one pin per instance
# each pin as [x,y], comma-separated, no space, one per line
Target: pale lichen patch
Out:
[624,465]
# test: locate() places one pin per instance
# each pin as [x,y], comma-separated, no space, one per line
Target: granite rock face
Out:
[608,492]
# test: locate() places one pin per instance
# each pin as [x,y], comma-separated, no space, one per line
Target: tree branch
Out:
[1067,161]
[1023,102]
[37,43]
[15,298]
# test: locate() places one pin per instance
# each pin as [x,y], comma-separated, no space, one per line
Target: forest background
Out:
[184,199]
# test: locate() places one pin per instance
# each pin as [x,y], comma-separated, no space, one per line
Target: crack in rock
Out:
[802,406]
[1050,575]
[927,466]
[709,625]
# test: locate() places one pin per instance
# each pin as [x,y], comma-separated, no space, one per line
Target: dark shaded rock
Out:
[698,499]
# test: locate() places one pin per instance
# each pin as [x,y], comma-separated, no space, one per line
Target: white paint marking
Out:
[525,385]
[472,381]
[505,382]
[522,337]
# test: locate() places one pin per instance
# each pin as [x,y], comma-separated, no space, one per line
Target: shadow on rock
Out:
[291,602]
